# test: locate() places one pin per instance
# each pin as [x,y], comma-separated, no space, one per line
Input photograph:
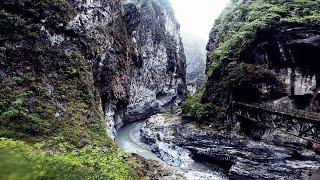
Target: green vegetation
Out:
[168,115]
[193,107]
[48,98]
[239,24]
[19,160]
[21,20]
[43,91]
[237,28]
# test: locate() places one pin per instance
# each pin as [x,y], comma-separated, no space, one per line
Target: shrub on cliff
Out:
[200,111]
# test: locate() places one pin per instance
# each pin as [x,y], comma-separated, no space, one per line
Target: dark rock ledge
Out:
[238,158]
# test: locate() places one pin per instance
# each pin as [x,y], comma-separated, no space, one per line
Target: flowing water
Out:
[128,139]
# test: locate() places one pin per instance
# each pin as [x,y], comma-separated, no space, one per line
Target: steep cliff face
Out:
[71,67]
[264,51]
[157,80]
[47,84]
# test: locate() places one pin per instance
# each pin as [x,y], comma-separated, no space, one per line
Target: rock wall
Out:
[157,80]
[146,74]
[92,61]
[254,58]
[229,156]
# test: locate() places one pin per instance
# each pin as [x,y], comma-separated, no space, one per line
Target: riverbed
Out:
[198,153]
[129,141]
[177,158]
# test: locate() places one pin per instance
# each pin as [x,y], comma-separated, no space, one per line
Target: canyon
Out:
[81,78]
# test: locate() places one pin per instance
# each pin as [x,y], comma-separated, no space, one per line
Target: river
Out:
[128,139]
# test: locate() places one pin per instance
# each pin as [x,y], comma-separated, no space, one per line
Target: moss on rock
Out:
[244,26]
[240,23]
[48,96]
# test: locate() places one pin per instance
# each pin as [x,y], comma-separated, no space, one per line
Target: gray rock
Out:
[140,62]
[238,158]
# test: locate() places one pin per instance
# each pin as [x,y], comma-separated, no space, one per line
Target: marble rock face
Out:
[276,156]
[151,76]
[135,53]
[157,77]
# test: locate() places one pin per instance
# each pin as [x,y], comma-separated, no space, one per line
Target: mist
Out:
[196,19]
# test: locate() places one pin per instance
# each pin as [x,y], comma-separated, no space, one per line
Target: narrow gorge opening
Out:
[196,19]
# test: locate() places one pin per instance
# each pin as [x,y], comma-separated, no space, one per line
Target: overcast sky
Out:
[197,16]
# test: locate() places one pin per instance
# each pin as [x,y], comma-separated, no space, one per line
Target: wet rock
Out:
[237,157]
[159,134]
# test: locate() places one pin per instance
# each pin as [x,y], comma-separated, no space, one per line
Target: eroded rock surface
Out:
[157,77]
[116,60]
[237,157]
[140,65]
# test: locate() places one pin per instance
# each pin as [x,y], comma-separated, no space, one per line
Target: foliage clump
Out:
[43,90]
[239,24]
[19,160]
[200,111]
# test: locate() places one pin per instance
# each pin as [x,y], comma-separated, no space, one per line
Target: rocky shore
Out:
[276,156]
